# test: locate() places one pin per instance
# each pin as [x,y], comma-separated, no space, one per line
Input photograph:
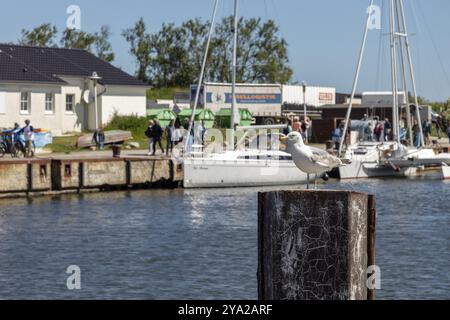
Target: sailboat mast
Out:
[402,35]
[355,81]
[395,114]
[233,75]
[202,73]
[411,69]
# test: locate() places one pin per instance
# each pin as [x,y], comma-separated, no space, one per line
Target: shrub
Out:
[136,125]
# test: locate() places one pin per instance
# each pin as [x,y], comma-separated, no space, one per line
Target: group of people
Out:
[303,127]
[381,131]
[175,134]
[27,132]
[442,126]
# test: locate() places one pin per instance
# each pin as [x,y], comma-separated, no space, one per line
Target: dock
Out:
[87,172]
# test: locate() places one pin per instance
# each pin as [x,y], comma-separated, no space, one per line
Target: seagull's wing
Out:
[325,159]
[318,152]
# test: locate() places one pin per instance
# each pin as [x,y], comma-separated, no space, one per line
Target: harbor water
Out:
[201,244]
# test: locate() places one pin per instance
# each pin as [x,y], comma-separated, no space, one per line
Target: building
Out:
[375,105]
[52,88]
[313,96]
[344,98]
[267,102]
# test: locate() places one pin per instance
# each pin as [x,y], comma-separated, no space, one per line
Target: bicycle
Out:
[3,149]
[6,145]
[20,149]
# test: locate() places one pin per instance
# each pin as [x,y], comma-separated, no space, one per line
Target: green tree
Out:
[41,36]
[75,39]
[262,56]
[140,47]
[172,56]
[103,48]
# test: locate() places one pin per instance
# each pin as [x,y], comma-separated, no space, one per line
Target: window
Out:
[25,102]
[70,99]
[49,103]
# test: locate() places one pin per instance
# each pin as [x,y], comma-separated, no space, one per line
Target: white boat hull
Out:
[369,160]
[360,170]
[445,172]
[209,173]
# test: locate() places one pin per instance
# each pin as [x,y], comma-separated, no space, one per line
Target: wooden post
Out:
[371,234]
[313,245]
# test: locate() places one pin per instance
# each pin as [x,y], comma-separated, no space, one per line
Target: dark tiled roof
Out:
[35,64]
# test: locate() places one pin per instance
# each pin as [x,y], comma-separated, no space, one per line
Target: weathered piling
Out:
[315,245]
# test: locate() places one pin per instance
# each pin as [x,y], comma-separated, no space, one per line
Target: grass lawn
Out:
[66,144]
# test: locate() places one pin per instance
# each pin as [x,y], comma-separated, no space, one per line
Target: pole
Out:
[305,114]
[371,239]
[411,69]
[233,85]
[95,105]
[395,124]
[405,85]
[355,82]
[202,72]
[315,245]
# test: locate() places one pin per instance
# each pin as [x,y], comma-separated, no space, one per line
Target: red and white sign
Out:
[325,97]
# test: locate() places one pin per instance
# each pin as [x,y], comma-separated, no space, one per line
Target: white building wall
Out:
[58,121]
[315,96]
[124,100]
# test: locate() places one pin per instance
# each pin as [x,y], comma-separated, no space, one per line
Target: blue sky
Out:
[323,35]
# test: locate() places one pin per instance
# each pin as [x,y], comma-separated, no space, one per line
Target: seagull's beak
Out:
[284,139]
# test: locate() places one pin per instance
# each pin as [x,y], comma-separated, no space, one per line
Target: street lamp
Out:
[95,78]
[304,108]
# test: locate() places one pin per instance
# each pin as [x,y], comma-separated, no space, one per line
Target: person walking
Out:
[28,133]
[202,132]
[438,125]
[308,129]
[288,128]
[426,129]
[149,135]
[170,133]
[297,126]
[99,139]
[378,131]
[369,132]
[416,132]
[387,129]
[157,133]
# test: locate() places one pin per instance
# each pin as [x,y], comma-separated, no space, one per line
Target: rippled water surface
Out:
[201,244]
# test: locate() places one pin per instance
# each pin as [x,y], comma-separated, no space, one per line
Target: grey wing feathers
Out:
[319,152]
[324,158]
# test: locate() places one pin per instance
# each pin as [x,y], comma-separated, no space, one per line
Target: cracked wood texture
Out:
[313,245]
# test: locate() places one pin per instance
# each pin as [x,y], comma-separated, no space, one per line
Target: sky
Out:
[324,36]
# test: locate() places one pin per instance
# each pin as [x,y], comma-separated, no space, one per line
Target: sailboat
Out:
[391,158]
[240,165]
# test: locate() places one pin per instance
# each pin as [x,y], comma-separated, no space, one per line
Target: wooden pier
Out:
[86,173]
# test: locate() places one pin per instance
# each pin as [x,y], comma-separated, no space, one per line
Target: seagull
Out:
[308,159]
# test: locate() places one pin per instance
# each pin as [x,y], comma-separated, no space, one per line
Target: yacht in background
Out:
[391,158]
